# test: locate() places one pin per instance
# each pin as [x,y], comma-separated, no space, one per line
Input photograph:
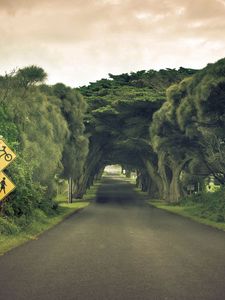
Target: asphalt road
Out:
[118,248]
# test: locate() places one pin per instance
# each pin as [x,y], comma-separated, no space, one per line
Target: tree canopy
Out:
[166,125]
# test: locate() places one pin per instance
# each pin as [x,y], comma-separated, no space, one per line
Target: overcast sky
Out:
[78,41]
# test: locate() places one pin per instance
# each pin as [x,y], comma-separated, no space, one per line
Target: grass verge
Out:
[188,212]
[192,210]
[41,222]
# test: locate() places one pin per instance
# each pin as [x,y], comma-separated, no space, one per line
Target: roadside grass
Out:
[199,212]
[12,234]
[190,212]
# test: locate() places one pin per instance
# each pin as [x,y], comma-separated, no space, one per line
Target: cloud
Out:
[84,40]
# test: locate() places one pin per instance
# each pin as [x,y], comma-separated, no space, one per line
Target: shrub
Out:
[208,205]
[8,226]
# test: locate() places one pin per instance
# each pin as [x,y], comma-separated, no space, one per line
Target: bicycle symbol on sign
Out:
[7,156]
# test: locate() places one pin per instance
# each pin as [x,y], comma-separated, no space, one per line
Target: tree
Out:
[30,75]
[46,125]
[183,128]
[120,110]
[75,149]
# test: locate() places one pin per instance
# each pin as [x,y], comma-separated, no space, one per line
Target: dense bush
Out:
[41,126]
[8,227]
[208,205]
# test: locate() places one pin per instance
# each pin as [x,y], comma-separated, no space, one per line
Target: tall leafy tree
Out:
[75,149]
[120,110]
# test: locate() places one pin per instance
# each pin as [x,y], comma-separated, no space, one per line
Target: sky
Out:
[81,41]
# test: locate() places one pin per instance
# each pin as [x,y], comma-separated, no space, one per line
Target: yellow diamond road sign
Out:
[6,155]
[6,186]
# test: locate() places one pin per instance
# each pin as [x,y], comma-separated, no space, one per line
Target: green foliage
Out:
[75,148]
[209,205]
[119,109]
[30,75]
[28,194]
[44,126]
[156,80]
[189,126]
[8,227]
[43,139]
[7,129]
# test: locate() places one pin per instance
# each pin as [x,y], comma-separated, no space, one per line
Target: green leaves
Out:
[75,150]
[30,75]
[46,125]
[192,120]
[120,110]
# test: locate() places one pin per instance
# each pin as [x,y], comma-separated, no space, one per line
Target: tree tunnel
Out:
[167,125]
[115,141]
[161,125]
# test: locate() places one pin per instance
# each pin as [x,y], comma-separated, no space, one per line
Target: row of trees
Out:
[188,131]
[168,125]
[172,135]
[44,124]
[120,111]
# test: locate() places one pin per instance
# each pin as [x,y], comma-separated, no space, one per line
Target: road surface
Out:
[118,249]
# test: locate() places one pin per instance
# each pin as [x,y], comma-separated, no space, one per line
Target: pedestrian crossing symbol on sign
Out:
[6,186]
[6,155]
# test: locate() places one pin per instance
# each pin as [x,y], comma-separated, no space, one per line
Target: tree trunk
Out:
[144,182]
[94,158]
[164,176]
[175,191]
[100,173]
[138,179]
[175,188]
[156,181]
[70,188]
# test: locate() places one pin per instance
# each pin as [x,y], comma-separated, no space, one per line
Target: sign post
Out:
[6,157]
